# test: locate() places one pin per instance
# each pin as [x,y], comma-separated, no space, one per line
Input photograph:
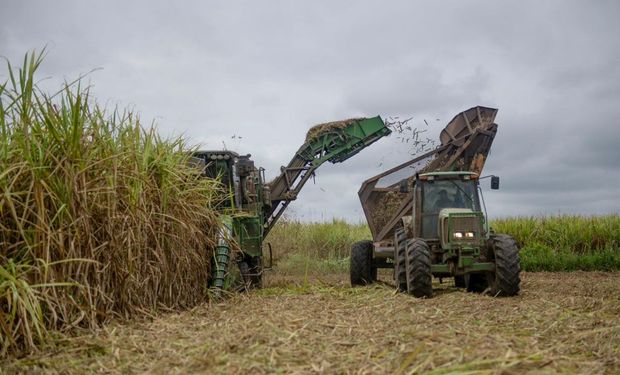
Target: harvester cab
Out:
[427,221]
[253,206]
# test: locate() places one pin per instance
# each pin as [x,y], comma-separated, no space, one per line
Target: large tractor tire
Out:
[506,280]
[400,260]
[418,265]
[362,270]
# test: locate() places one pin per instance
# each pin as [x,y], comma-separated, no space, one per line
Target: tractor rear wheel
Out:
[400,260]
[418,265]
[506,280]
[361,268]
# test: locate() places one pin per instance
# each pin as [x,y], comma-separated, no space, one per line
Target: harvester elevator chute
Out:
[334,142]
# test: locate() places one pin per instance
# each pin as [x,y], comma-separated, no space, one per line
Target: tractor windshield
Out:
[440,194]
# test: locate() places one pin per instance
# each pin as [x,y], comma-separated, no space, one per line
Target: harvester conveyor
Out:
[336,144]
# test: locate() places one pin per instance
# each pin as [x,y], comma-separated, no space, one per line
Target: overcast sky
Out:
[268,70]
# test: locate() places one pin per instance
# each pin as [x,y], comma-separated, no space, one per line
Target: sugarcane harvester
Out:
[253,206]
[426,217]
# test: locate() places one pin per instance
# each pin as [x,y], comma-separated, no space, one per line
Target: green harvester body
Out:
[253,206]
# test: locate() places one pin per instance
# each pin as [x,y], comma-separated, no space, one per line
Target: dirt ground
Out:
[561,323]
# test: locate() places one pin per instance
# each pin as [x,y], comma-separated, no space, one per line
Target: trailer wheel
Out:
[361,268]
[400,259]
[419,276]
[506,280]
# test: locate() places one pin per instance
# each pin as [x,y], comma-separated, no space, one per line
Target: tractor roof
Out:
[449,174]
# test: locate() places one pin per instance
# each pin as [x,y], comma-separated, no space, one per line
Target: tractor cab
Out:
[447,208]
[447,216]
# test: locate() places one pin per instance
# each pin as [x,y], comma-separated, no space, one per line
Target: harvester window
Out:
[221,170]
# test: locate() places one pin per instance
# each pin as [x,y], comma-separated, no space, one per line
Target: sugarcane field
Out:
[309,188]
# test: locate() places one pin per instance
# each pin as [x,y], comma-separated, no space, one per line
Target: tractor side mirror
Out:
[494,182]
[404,186]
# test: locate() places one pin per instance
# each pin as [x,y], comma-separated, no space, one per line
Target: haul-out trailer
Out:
[254,206]
[427,220]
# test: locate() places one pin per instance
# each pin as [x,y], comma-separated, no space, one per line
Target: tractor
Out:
[432,223]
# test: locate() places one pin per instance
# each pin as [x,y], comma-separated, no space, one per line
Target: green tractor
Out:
[448,236]
[431,223]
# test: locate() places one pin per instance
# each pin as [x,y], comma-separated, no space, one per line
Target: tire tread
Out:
[419,276]
[361,268]
[507,265]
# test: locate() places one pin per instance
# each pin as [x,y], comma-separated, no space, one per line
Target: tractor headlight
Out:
[461,235]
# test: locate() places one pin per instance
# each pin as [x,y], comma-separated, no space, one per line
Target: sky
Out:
[252,77]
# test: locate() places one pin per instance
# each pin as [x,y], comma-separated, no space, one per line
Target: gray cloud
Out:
[267,71]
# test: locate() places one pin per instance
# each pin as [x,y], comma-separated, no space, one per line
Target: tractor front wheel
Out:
[400,260]
[418,265]
[362,270]
[506,280]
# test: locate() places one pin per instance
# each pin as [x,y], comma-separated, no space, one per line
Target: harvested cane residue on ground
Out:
[319,129]
[561,322]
